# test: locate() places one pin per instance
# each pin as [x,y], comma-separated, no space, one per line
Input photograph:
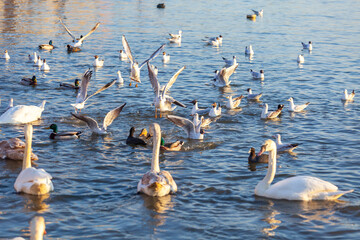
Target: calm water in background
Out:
[95,177]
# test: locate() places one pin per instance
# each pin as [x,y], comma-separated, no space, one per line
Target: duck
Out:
[119,77]
[222,78]
[257,75]
[233,103]
[44,67]
[13,149]
[160,5]
[33,58]
[21,114]
[156,183]
[284,147]
[253,96]
[122,55]
[162,101]
[62,135]
[37,229]
[134,141]
[79,42]
[254,158]
[134,65]
[82,97]
[258,13]
[174,147]
[229,62]
[31,180]
[296,108]
[203,122]
[175,38]
[298,188]
[300,58]
[166,57]
[307,46]
[192,131]
[348,97]
[49,46]
[249,50]
[270,115]
[198,110]
[215,112]
[29,81]
[76,84]
[109,118]
[6,55]
[72,48]
[97,62]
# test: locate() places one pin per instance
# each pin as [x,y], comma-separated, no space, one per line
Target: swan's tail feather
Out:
[336,195]
[42,105]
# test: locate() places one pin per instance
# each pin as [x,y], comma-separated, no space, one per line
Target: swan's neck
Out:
[156,148]
[271,170]
[28,140]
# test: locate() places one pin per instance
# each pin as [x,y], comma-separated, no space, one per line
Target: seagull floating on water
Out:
[296,108]
[300,58]
[166,57]
[258,13]
[198,110]
[230,62]
[33,58]
[348,97]
[257,75]
[253,96]
[175,38]
[265,114]
[122,55]
[6,55]
[97,62]
[249,50]
[119,78]
[233,103]
[284,147]
[307,46]
[215,111]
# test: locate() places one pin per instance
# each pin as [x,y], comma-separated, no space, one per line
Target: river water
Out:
[95,177]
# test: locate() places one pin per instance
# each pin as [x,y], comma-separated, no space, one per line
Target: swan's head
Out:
[267,146]
[37,227]
[290,99]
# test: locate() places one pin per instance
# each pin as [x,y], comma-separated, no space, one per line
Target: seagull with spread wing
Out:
[82,95]
[79,41]
[93,125]
[135,67]
[222,77]
[162,101]
[193,132]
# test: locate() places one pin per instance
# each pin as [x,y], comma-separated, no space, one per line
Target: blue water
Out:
[95,177]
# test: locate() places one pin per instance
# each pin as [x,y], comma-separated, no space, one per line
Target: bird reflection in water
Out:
[35,203]
[158,206]
[270,219]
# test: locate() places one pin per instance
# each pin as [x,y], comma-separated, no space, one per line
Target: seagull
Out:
[258,13]
[218,39]
[122,55]
[296,108]
[222,78]
[202,121]
[348,97]
[6,55]
[307,46]
[229,62]
[97,62]
[253,96]
[135,67]
[175,38]
[269,115]
[233,103]
[300,58]
[249,50]
[33,58]
[44,67]
[215,42]
[162,101]
[257,75]
[39,62]
[193,132]
[109,118]
[79,42]
[284,147]
[166,57]
[215,112]
[82,95]
[197,110]
[119,78]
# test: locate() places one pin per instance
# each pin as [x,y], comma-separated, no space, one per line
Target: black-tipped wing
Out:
[184,123]
[89,121]
[91,31]
[127,49]
[106,86]
[67,30]
[112,115]
[154,55]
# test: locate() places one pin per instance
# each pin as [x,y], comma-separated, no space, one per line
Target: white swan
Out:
[156,183]
[348,97]
[37,229]
[192,131]
[22,114]
[31,180]
[222,78]
[303,188]
[108,119]
[296,108]
[233,103]
[162,101]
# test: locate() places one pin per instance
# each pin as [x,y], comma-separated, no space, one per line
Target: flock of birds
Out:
[155,182]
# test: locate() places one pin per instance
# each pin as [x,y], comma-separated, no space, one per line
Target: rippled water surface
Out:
[95,177]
